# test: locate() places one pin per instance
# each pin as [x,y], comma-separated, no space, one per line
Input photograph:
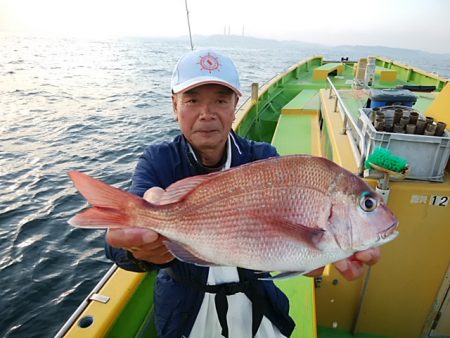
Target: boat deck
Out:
[408,293]
[400,295]
[326,332]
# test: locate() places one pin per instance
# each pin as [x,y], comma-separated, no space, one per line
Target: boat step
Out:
[285,137]
[322,72]
[307,101]
[386,74]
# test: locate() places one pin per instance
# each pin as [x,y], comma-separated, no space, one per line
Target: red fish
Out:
[290,213]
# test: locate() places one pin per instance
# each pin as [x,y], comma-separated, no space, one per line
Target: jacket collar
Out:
[232,150]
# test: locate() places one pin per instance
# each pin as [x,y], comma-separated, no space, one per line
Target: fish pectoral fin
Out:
[186,254]
[284,275]
[308,234]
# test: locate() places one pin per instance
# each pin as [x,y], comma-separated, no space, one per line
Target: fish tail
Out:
[111,207]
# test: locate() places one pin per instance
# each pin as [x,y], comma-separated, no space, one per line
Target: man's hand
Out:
[145,244]
[353,267]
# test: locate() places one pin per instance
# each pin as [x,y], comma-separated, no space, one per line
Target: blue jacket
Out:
[176,305]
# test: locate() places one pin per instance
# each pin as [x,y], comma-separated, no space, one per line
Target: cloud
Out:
[412,24]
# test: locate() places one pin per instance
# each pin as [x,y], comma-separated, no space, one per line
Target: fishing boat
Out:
[327,108]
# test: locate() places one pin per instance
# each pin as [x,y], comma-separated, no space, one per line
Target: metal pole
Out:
[189,24]
[348,118]
[362,297]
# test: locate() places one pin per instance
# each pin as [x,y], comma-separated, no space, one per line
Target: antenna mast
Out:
[189,24]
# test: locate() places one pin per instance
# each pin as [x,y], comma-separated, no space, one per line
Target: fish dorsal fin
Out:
[180,189]
[186,254]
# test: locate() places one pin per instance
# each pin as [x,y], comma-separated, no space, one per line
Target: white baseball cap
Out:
[205,66]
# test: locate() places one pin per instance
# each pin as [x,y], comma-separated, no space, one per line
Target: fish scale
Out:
[291,213]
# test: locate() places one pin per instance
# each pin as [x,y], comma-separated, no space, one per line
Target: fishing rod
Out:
[189,24]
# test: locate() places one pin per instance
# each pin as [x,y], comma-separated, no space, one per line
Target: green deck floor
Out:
[324,332]
[286,139]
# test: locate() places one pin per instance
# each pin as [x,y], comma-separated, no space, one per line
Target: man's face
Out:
[205,114]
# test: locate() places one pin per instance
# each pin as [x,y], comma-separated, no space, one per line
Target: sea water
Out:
[92,106]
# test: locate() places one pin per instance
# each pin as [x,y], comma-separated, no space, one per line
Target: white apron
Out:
[239,315]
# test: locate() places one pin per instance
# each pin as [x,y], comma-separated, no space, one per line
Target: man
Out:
[192,301]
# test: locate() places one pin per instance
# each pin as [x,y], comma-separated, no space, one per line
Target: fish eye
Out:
[368,203]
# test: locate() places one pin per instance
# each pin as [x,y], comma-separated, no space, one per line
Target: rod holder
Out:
[384,193]
[255,92]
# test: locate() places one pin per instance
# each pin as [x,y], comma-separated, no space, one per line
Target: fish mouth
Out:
[384,237]
[388,234]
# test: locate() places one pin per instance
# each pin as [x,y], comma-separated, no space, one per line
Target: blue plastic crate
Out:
[389,97]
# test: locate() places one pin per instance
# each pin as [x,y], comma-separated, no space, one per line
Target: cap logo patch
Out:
[210,63]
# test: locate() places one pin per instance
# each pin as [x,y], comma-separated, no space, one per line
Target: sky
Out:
[413,24]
